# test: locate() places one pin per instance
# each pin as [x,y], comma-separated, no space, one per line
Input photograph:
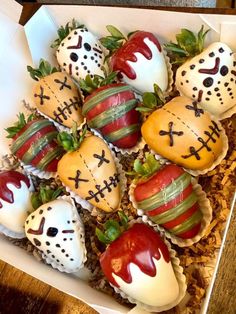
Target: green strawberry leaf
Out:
[45,195]
[71,141]
[43,70]
[188,45]
[146,168]
[152,101]
[112,229]
[13,130]
[115,32]
[64,31]
[88,85]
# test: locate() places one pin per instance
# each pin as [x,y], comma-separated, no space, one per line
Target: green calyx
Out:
[64,31]
[88,85]
[45,195]
[71,141]
[114,41]
[143,170]
[188,45]
[112,229]
[152,101]
[43,70]
[22,121]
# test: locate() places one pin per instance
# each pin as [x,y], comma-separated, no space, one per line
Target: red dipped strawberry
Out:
[167,197]
[138,58]
[110,109]
[138,263]
[34,142]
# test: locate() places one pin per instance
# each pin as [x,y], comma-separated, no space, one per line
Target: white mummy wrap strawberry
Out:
[139,59]
[15,204]
[78,51]
[209,77]
[56,230]
[144,273]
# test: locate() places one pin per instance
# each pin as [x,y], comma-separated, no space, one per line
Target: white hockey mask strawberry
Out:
[80,54]
[210,79]
[55,229]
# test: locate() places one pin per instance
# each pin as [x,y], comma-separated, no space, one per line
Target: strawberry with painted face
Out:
[78,51]
[207,76]
[139,59]
[137,262]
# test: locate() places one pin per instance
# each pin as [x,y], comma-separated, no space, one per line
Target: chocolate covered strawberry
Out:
[78,51]
[34,142]
[56,95]
[110,109]
[207,76]
[138,58]
[15,204]
[138,263]
[89,170]
[167,197]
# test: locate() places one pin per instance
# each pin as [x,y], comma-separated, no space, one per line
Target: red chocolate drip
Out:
[212,71]
[200,95]
[139,245]
[127,53]
[68,231]
[40,229]
[233,72]
[11,177]
[78,46]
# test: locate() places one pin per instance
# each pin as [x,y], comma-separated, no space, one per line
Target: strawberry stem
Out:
[43,70]
[45,195]
[64,31]
[71,141]
[112,229]
[143,170]
[188,45]
[22,121]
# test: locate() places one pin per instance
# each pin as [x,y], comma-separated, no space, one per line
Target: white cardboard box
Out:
[22,46]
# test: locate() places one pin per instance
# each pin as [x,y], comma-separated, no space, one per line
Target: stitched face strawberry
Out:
[184,133]
[79,52]
[110,109]
[56,230]
[15,203]
[207,76]
[89,170]
[56,95]
[138,58]
[167,197]
[34,143]
[139,264]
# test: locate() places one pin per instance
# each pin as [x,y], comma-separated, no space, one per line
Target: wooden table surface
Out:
[21,293]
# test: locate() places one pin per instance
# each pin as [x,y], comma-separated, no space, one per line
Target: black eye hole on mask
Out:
[87,47]
[52,232]
[74,57]
[224,70]
[208,82]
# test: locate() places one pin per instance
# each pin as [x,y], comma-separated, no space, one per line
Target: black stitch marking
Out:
[63,84]
[194,107]
[101,158]
[77,179]
[42,96]
[171,133]
[62,112]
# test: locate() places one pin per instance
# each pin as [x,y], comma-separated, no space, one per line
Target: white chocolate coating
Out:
[60,235]
[154,291]
[13,216]
[80,54]
[148,72]
[219,96]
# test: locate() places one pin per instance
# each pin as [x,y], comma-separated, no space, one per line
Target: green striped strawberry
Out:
[34,142]
[167,197]
[110,109]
